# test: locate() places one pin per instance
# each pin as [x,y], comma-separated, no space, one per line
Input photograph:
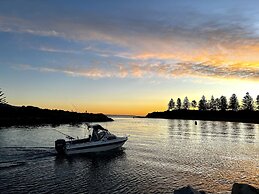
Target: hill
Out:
[29,115]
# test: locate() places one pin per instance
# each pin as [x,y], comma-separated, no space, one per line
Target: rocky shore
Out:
[29,115]
[237,188]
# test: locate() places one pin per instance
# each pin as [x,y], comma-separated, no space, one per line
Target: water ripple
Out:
[160,156]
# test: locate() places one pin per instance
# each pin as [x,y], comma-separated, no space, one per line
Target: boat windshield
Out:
[98,132]
[98,127]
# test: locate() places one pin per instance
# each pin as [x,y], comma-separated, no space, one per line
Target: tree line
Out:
[216,104]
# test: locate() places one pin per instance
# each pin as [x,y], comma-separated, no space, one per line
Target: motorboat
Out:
[98,140]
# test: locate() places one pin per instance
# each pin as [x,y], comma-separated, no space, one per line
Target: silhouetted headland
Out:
[233,116]
[29,115]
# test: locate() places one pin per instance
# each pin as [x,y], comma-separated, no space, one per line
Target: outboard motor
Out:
[60,146]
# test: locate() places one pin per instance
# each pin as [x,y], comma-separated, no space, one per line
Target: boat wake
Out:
[11,157]
[11,164]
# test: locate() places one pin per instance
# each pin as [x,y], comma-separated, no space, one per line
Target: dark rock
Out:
[188,190]
[238,188]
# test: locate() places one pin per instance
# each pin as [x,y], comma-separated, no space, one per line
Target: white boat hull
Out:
[93,147]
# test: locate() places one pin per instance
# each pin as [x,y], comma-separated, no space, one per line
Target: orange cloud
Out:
[220,50]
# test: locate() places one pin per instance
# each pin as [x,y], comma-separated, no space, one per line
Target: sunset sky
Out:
[126,57]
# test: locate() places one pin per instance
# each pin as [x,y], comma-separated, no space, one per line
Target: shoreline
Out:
[34,116]
[228,116]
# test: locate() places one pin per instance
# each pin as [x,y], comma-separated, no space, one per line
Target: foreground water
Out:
[160,156]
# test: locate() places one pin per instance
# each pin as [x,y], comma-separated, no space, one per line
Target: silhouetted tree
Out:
[217,103]
[257,102]
[203,103]
[2,97]
[194,104]
[233,103]
[248,103]
[186,103]
[178,103]
[171,104]
[212,104]
[223,103]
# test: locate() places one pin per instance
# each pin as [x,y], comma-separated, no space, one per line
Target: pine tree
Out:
[217,103]
[233,103]
[194,104]
[186,103]
[2,97]
[248,103]
[203,103]
[212,103]
[171,104]
[257,102]
[223,103]
[178,104]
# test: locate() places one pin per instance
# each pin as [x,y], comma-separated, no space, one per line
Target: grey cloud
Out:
[181,27]
[181,32]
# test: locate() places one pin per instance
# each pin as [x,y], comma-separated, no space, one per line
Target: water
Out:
[160,156]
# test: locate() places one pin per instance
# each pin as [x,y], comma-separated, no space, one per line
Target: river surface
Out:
[159,156]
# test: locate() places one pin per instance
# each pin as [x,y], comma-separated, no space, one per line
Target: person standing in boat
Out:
[97,132]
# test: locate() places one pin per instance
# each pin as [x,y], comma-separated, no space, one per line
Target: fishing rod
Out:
[70,137]
[67,136]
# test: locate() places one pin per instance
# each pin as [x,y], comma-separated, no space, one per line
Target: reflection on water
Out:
[160,156]
[204,129]
[224,128]
[235,131]
[250,132]
[95,173]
